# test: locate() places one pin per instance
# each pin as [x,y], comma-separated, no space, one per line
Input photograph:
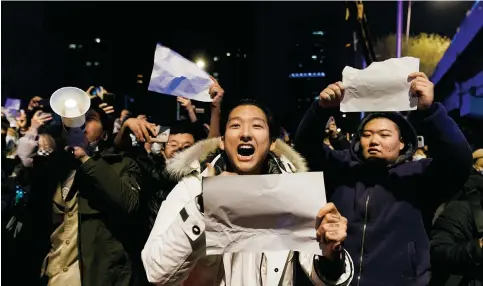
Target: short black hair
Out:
[182,127]
[105,120]
[273,128]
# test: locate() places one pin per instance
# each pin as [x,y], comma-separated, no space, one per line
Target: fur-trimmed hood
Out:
[188,161]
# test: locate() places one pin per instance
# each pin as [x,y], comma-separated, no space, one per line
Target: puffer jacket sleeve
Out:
[451,155]
[309,142]
[330,276]
[177,239]
[454,248]
[119,187]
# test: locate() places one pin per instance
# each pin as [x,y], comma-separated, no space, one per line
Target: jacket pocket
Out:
[412,258]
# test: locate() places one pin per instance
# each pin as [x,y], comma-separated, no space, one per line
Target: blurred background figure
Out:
[335,139]
[457,235]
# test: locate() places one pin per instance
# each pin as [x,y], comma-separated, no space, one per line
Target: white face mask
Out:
[9,138]
[418,157]
[156,148]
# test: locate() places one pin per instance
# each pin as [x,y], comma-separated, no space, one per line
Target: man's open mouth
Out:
[245,151]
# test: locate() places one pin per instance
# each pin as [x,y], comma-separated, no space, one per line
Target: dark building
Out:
[314,42]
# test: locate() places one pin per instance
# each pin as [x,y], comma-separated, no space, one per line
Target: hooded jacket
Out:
[388,206]
[174,252]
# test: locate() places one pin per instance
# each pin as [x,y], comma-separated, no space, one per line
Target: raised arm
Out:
[310,134]
[217,93]
[450,152]
[118,187]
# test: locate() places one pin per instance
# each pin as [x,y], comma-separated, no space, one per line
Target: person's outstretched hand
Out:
[423,89]
[332,95]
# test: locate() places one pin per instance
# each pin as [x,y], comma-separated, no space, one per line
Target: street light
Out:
[201,63]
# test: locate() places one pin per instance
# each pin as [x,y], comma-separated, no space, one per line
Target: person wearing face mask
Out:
[388,198]
[83,204]
[457,234]
[175,251]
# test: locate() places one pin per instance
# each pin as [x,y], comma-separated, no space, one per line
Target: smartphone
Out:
[109,98]
[45,106]
[420,142]
[95,91]
[96,101]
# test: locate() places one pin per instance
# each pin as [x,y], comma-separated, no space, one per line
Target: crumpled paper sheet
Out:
[174,75]
[382,86]
[263,213]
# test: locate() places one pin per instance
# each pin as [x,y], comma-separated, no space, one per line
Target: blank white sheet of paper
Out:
[263,213]
[382,86]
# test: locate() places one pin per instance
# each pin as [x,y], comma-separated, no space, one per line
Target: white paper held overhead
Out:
[262,213]
[382,86]
[174,75]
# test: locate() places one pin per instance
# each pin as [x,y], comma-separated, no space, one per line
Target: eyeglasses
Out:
[174,145]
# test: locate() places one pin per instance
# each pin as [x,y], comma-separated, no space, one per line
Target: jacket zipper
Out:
[363,240]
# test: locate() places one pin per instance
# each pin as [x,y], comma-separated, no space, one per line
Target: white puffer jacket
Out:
[175,251]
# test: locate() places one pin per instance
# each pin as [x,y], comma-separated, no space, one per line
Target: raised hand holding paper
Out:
[382,86]
[263,213]
[174,75]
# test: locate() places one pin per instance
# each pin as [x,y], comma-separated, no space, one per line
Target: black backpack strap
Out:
[474,200]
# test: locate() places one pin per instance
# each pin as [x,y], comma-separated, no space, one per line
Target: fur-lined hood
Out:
[188,161]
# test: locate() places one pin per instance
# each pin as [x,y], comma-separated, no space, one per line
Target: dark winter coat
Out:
[386,206]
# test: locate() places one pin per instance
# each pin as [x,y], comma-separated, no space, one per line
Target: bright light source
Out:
[338,129]
[139,81]
[228,54]
[70,103]
[98,40]
[201,63]
[88,64]
[314,57]
[244,55]
[215,59]
[96,64]
[344,115]
[72,46]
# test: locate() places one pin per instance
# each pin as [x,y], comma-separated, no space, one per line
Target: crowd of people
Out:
[119,201]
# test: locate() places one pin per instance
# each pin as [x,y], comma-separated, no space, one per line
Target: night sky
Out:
[36,59]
